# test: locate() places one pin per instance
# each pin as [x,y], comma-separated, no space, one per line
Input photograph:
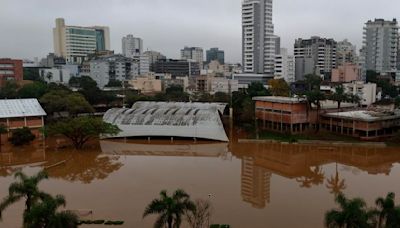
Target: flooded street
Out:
[250,184]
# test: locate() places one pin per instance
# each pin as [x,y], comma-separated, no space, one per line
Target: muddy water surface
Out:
[250,184]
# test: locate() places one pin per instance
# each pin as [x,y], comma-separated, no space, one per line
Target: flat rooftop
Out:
[275,99]
[367,116]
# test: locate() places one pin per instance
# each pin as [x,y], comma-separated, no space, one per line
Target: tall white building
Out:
[75,43]
[258,40]
[381,45]
[132,46]
[285,66]
[193,53]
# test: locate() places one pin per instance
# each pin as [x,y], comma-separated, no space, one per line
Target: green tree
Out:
[45,215]
[397,102]
[170,208]
[389,213]
[176,93]
[114,83]
[279,87]
[25,188]
[76,103]
[339,95]
[221,97]
[313,81]
[372,76]
[60,100]
[32,74]
[257,89]
[82,129]
[33,90]
[9,90]
[353,213]
[22,136]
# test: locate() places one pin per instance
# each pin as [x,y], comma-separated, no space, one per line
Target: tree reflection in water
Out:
[316,176]
[86,167]
[83,166]
[335,184]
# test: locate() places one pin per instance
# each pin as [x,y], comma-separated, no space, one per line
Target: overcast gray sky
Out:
[168,25]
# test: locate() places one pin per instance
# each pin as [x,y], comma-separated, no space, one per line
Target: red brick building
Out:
[284,114]
[11,69]
[19,113]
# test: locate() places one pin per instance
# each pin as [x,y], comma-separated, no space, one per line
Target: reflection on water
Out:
[67,165]
[267,172]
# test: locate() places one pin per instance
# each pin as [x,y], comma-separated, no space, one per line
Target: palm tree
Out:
[170,208]
[387,211]
[339,96]
[335,184]
[352,214]
[26,187]
[45,214]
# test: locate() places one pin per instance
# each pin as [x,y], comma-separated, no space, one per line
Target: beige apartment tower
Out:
[75,43]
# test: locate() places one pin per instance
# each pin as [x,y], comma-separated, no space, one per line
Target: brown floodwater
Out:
[249,184]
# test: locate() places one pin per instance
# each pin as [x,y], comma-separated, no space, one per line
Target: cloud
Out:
[168,25]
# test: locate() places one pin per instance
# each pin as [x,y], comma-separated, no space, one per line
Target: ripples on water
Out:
[251,184]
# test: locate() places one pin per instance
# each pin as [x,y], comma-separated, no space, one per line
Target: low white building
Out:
[113,67]
[366,91]
[245,79]
[285,66]
[224,85]
[56,75]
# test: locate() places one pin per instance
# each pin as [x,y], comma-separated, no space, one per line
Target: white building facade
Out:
[132,46]
[381,45]
[285,66]
[365,91]
[75,43]
[116,67]
[258,40]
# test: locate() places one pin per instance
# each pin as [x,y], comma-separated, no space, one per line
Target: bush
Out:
[21,136]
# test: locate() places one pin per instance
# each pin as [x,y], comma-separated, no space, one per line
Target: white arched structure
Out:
[169,119]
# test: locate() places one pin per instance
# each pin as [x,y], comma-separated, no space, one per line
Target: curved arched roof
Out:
[179,119]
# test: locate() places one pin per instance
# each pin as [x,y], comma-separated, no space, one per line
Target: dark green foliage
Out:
[9,90]
[33,90]
[176,93]
[82,129]
[61,100]
[352,213]
[256,89]
[25,188]
[45,214]
[114,83]
[372,76]
[221,97]
[21,136]
[170,208]
[32,74]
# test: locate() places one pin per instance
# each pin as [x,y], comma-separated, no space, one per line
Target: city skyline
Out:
[212,24]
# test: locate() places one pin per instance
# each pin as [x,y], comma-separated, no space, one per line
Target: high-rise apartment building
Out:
[193,53]
[258,40]
[215,54]
[285,66]
[321,50]
[381,46]
[132,46]
[75,43]
[346,53]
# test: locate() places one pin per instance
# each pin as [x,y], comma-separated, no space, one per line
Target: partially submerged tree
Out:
[45,214]
[82,129]
[57,101]
[25,188]
[199,217]
[170,209]
[21,136]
